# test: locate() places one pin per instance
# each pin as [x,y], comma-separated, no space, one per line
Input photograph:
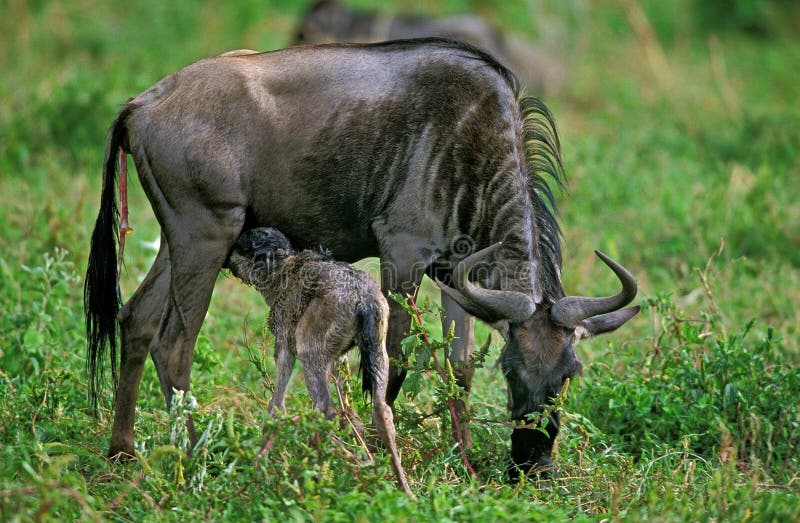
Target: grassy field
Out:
[680,124]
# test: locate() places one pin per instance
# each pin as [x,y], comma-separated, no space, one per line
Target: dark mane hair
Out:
[543,153]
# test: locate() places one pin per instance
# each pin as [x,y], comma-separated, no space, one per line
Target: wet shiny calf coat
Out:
[319,310]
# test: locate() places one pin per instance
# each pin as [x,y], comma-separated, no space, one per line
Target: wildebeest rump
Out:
[319,310]
[418,151]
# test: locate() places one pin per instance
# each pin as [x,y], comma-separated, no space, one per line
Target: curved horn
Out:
[572,310]
[487,304]
[608,322]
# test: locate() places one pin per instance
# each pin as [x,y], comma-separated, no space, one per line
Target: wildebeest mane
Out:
[543,153]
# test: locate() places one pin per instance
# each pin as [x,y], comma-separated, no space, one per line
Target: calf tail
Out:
[101,296]
[370,339]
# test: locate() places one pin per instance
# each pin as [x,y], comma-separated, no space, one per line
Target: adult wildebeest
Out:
[319,310]
[418,151]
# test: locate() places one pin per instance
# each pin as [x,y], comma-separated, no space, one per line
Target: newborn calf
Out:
[319,309]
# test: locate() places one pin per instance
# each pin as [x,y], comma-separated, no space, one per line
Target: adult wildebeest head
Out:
[539,356]
[408,150]
[540,334]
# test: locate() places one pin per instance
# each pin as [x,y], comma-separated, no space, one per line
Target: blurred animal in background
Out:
[326,21]
[319,310]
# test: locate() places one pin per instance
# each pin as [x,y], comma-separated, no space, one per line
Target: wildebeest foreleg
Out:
[398,329]
[404,260]
[460,357]
[138,319]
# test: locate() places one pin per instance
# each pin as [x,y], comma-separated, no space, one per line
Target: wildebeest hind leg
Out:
[138,320]
[199,241]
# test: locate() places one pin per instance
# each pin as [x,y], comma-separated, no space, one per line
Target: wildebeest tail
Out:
[101,296]
[368,337]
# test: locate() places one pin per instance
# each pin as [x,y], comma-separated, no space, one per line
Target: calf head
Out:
[258,252]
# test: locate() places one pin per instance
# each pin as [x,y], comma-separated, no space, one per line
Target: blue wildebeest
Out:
[417,151]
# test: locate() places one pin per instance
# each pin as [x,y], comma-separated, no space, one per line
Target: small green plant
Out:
[720,396]
[35,324]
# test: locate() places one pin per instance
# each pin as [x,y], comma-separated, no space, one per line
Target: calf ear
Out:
[607,322]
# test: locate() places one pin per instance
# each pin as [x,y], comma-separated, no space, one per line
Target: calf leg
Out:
[284,364]
[460,356]
[316,373]
[310,340]
[383,418]
[138,320]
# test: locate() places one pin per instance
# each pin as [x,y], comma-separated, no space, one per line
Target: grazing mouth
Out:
[531,449]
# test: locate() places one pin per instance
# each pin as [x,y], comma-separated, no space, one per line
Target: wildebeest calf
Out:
[319,309]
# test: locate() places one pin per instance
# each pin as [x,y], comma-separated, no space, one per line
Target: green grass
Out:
[681,139]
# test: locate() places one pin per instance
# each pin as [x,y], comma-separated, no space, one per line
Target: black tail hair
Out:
[369,343]
[101,295]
